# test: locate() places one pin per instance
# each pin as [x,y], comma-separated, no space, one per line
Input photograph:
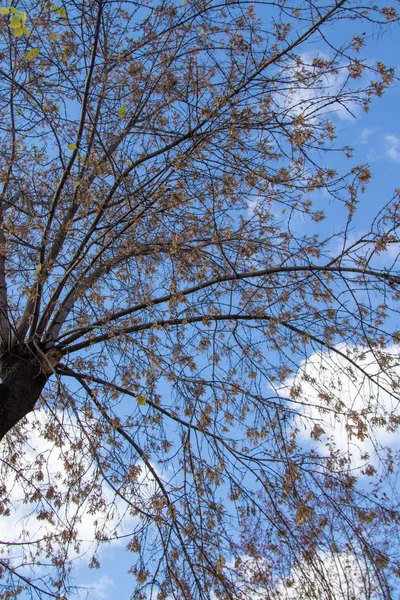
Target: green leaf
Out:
[122,111]
[141,400]
[32,53]
[14,10]
[72,147]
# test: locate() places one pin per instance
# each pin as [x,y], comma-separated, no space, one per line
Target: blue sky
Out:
[375,137]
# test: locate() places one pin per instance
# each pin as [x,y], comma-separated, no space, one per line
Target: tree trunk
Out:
[23,381]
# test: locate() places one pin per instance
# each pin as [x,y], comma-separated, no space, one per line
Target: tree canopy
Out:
[188,316]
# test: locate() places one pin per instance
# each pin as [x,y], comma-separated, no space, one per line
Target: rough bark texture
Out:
[23,382]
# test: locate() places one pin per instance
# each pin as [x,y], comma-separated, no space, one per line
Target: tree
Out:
[174,307]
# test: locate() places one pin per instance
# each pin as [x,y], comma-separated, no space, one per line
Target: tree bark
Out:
[23,381]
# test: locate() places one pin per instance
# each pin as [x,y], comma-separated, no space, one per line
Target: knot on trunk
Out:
[50,360]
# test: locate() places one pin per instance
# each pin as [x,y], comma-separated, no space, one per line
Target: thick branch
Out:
[222,279]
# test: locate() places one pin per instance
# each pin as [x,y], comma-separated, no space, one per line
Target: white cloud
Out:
[47,465]
[346,399]
[49,497]
[98,590]
[338,575]
[252,206]
[366,134]
[392,143]
[316,92]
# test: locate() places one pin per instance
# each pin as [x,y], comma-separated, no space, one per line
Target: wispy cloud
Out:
[366,134]
[316,93]
[392,143]
[98,590]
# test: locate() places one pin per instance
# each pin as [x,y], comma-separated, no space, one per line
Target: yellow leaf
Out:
[32,53]
[14,10]
[19,32]
[141,399]
[15,22]
[23,17]
[59,11]
[4,11]
[77,183]
[37,270]
[72,147]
